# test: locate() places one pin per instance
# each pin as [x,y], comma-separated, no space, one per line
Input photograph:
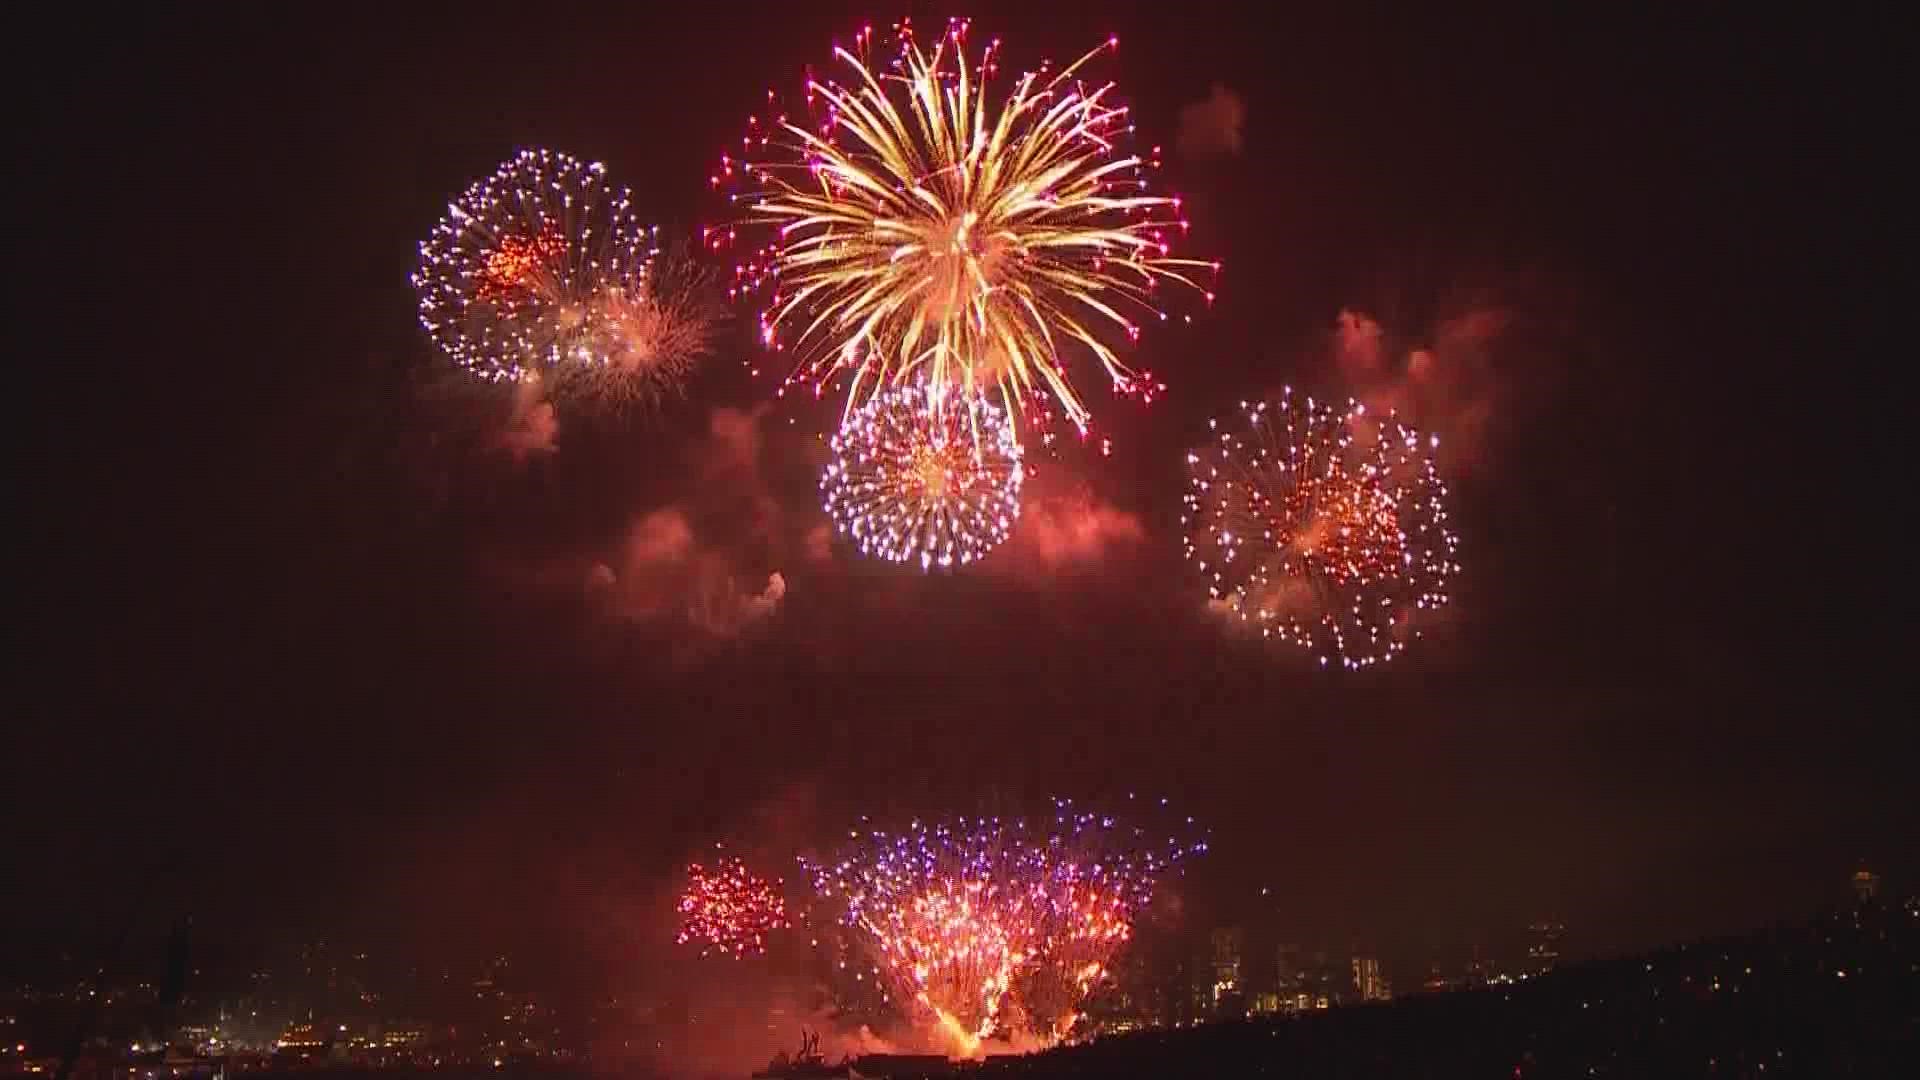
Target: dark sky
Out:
[290,628]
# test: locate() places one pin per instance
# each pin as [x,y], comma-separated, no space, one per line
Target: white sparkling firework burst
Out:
[1324,526]
[925,477]
[514,281]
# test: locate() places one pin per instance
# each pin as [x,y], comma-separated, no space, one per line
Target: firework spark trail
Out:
[729,910]
[966,917]
[932,228]
[513,280]
[916,476]
[1100,874]
[1326,527]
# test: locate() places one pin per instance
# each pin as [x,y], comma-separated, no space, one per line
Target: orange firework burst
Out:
[520,264]
[729,910]
[1345,524]
[650,332]
[932,226]
[1084,922]
[1325,527]
[958,945]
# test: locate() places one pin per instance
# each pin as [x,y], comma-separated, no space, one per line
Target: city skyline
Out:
[320,1014]
[1217,955]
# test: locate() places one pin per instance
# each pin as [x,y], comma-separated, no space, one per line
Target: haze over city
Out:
[403,613]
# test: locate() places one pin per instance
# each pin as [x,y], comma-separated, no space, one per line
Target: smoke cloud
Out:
[708,565]
[1211,128]
[532,428]
[1071,530]
[1444,385]
[663,571]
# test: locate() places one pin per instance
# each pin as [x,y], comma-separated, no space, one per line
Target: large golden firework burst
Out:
[933,231]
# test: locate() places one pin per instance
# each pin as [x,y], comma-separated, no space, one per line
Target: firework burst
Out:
[1324,526]
[729,910]
[932,225]
[925,476]
[650,331]
[977,922]
[516,279]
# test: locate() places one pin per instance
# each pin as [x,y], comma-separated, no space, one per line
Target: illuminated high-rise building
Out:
[1368,983]
[1291,981]
[1286,964]
[1543,951]
[1476,975]
[1228,988]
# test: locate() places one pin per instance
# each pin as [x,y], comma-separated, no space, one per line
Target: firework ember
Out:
[933,478]
[514,280]
[932,224]
[978,921]
[1325,527]
[728,910]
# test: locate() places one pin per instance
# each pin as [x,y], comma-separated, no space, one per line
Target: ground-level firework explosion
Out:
[928,223]
[983,926]
[727,909]
[516,279]
[1324,526]
[927,477]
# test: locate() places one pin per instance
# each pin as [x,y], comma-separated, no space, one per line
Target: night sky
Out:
[293,626]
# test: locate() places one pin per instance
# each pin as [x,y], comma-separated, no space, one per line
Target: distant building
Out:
[1368,983]
[1476,969]
[1543,948]
[1140,998]
[1227,945]
[404,1036]
[493,976]
[1325,982]
[301,1037]
[301,1045]
[1291,981]
[1866,885]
